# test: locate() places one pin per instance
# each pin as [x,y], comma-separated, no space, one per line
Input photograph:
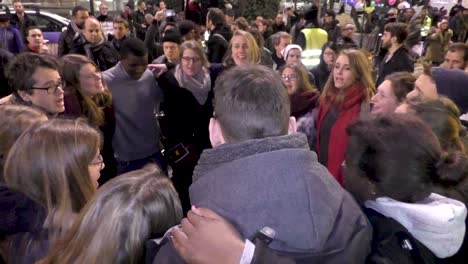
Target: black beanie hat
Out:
[172,36]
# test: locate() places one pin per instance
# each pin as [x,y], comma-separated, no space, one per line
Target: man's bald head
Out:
[92,30]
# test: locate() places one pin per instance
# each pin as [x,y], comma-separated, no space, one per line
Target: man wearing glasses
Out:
[34,81]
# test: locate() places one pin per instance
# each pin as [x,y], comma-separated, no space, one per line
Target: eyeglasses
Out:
[52,88]
[329,53]
[288,77]
[191,59]
[99,162]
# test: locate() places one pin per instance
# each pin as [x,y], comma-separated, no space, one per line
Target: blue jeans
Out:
[127,166]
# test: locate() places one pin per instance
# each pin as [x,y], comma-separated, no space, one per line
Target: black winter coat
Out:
[400,61]
[105,56]
[217,45]
[66,41]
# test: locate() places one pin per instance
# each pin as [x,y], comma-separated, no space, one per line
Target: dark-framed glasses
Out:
[288,77]
[191,59]
[52,88]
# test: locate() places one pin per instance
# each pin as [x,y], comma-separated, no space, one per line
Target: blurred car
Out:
[51,24]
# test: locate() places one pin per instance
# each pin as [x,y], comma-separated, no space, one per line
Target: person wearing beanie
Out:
[439,81]
[292,54]
[171,43]
[312,36]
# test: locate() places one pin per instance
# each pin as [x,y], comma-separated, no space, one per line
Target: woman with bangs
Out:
[56,164]
[87,96]
[346,95]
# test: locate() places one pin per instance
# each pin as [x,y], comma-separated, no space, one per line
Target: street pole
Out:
[91,7]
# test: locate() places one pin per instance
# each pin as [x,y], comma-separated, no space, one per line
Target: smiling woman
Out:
[243,49]
[86,96]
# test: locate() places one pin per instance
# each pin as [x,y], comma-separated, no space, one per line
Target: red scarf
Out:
[348,112]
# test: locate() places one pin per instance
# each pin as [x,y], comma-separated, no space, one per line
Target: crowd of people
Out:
[146,142]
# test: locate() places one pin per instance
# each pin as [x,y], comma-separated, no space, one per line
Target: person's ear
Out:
[24,96]
[216,134]
[292,128]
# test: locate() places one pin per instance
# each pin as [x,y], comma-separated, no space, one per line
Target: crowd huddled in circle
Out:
[148,143]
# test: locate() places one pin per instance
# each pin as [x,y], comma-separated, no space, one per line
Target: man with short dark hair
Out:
[456,56]
[138,19]
[330,24]
[20,19]
[35,41]
[72,33]
[279,41]
[10,36]
[261,173]
[397,58]
[35,81]
[120,32]
[279,24]
[220,35]
[136,97]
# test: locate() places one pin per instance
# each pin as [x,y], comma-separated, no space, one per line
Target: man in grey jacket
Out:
[260,173]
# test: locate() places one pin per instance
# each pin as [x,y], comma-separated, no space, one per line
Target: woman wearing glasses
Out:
[187,111]
[346,95]
[304,97]
[55,164]
[86,96]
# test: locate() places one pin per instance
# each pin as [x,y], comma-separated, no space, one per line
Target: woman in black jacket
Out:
[187,109]
[321,72]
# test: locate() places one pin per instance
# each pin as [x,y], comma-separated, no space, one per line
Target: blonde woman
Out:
[15,120]
[345,96]
[56,165]
[243,50]
[116,223]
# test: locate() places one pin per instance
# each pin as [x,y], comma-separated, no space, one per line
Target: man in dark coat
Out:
[138,19]
[260,173]
[220,35]
[20,19]
[398,58]
[72,33]
[93,45]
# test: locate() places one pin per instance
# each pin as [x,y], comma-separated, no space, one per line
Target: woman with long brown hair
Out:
[123,215]
[346,94]
[55,164]
[87,96]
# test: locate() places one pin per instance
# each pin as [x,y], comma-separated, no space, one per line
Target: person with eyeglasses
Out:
[35,81]
[187,109]
[292,54]
[303,96]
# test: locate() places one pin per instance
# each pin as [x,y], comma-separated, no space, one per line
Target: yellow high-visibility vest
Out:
[315,38]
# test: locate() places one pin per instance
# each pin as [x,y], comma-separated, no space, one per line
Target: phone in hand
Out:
[169,12]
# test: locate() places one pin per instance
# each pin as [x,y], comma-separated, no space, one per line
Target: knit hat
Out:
[172,36]
[453,84]
[289,47]
[311,13]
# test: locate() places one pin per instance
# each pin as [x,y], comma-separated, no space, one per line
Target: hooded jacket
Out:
[436,222]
